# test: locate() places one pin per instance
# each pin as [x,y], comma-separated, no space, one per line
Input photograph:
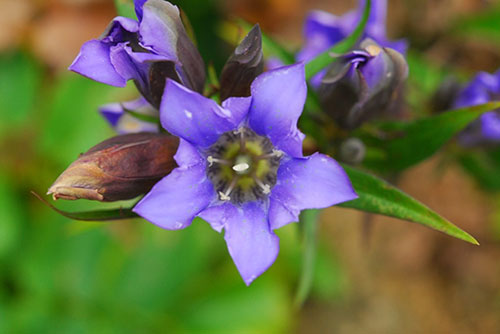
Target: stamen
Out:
[224,196]
[266,189]
[241,132]
[274,153]
[211,161]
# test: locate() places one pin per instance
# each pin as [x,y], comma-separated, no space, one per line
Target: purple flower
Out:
[241,167]
[363,84]
[119,116]
[146,51]
[485,87]
[322,30]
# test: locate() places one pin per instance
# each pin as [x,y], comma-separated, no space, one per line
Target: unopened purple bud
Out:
[363,84]
[120,168]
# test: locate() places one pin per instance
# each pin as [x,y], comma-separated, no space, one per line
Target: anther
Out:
[274,153]
[266,189]
[224,196]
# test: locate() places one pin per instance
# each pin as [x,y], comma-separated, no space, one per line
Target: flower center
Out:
[243,166]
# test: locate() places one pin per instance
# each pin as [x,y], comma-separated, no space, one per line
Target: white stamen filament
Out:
[266,189]
[211,161]
[274,153]
[224,196]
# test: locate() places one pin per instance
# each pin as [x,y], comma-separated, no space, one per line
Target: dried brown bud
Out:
[119,168]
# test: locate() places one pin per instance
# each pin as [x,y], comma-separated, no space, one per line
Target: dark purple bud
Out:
[120,168]
[363,84]
[244,65]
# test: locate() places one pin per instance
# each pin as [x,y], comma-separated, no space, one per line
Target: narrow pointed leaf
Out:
[143,117]
[411,143]
[378,196]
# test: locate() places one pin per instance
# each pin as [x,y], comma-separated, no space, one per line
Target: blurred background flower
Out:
[62,276]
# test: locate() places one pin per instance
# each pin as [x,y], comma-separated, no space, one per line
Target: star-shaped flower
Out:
[241,167]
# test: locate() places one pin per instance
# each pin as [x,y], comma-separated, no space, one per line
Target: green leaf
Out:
[142,117]
[126,8]
[324,59]
[413,142]
[97,215]
[309,223]
[377,196]
[483,166]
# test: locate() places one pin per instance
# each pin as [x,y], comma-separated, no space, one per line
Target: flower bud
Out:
[363,84]
[352,151]
[119,168]
[244,65]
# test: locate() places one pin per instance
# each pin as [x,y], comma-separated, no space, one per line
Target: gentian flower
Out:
[485,87]
[241,167]
[146,51]
[363,84]
[322,30]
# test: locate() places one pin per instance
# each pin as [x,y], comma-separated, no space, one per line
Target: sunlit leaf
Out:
[378,196]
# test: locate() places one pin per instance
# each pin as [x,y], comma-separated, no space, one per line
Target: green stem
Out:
[308,220]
